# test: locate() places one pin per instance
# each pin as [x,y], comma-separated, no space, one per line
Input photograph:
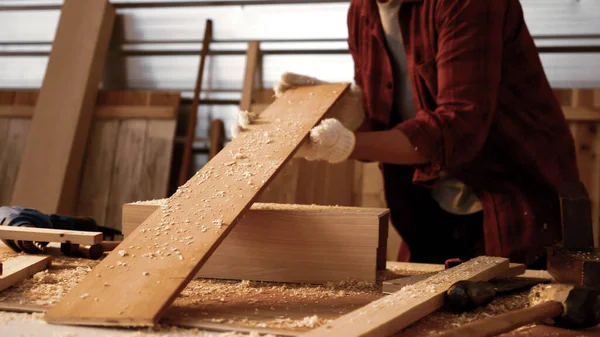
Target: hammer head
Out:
[581,305]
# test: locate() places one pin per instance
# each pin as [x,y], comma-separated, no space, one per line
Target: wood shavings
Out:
[122,252]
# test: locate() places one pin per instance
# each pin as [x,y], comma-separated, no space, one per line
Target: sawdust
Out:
[442,320]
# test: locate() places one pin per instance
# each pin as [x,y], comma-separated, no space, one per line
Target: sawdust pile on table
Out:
[292,307]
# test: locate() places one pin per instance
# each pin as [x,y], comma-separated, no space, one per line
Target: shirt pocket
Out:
[425,83]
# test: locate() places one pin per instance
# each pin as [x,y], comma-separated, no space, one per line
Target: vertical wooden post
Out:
[252,56]
[191,128]
[49,173]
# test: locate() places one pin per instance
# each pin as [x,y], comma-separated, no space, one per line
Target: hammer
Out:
[568,306]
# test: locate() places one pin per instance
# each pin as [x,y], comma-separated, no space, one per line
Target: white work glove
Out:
[330,141]
[349,110]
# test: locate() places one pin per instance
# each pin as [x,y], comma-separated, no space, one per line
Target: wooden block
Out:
[49,235]
[291,243]
[21,267]
[219,194]
[397,311]
[52,160]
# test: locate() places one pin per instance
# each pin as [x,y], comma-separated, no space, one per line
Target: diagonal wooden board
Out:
[395,312]
[169,248]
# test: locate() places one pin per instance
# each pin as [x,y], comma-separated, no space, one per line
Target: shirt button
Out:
[389,85]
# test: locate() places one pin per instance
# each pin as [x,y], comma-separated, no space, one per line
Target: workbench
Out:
[241,306]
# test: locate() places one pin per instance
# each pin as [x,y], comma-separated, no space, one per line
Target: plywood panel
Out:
[219,194]
[153,182]
[97,171]
[10,158]
[128,168]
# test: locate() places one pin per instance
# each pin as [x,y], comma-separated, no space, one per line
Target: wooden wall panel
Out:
[125,160]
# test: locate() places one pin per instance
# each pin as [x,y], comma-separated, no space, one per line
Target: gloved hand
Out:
[330,141]
[349,110]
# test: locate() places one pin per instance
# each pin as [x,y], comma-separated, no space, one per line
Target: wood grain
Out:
[49,235]
[290,243]
[21,267]
[395,312]
[66,101]
[218,194]
[153,182]
[127,170]
[10,157]
[97,171]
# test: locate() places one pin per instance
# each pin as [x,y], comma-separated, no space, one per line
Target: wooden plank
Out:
[5,196]
[97,171]
[127,170]
[66,101]
[252,56]
[153,182]
[397,311]
[21,267]
[49,235]
[290,243]
[391,286]
[219,194]
[10,157]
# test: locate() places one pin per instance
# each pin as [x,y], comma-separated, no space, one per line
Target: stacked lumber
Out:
[292,243]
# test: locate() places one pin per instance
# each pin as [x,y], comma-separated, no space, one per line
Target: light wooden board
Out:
[15,132]
[21,267]
[219,194]
[291,243]
[252,58]
[391,286]
[395,312]
[97,171]
[49,235]
[128,168]
[66,102]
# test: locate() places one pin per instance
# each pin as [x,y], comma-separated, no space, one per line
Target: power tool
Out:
[28,217]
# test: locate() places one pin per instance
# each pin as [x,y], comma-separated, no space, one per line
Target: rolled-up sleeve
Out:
[468,63]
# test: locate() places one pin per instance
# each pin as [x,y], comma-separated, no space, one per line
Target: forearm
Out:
[391,147]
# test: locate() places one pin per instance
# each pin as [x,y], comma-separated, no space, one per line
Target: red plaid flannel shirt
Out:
[485,111]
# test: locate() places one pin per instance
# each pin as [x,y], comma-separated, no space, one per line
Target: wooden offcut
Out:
[49,235]
[171,246]
[292,243]
[397,311]
[52,160]
[21,267]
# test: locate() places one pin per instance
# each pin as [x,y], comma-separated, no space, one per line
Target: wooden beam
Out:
[21,267]
[395,312]
[184,173]
[581,114]
[49,235]
[101,112]
[291,243]
[252,56]
[177,240]
[52,160]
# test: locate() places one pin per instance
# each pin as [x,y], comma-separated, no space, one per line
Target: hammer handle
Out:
[509,321]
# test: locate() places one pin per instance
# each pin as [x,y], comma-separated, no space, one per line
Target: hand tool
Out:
[27,217]
[468,295]
[569,306]
[575,260]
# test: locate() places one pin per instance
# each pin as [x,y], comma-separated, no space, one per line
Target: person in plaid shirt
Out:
[450,97]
